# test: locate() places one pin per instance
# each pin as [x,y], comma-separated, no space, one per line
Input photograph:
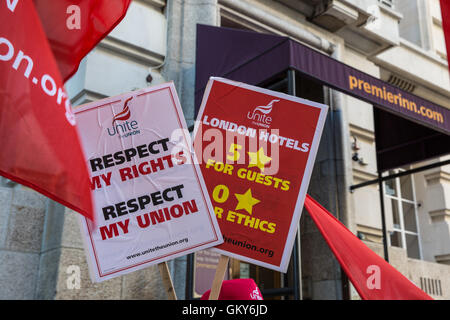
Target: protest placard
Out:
[151,203]
[256,149]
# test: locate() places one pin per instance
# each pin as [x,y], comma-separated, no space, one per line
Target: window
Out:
[400,197]
[389,3]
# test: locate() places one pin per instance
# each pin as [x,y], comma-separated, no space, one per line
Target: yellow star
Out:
[258,159]
[246,201]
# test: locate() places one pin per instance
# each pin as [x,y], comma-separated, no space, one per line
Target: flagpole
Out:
[167,280]
[218,277]
[383,216]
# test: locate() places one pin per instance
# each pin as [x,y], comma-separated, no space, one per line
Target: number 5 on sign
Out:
[235,155]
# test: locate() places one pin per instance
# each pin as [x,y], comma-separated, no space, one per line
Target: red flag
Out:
[372,276]
[40,144]
[38,137]
[75,27]
[445,12]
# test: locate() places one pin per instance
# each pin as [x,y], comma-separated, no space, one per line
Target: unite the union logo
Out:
[260,114]
[124,114]
[126,128]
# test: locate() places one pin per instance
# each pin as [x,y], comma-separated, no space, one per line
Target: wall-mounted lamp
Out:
[355,156]
[355,145]
[359,159]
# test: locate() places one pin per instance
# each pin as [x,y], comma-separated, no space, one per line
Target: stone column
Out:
[321,272]
[179,67]
[22,215]
[182,19]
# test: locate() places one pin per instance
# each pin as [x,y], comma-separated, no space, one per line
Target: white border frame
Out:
[92,262]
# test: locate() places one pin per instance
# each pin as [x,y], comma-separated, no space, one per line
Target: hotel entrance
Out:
[403,135]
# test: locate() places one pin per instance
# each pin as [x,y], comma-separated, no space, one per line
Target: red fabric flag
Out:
[445,12]
[40,144]
[75,27]
[38,137]
[372,276]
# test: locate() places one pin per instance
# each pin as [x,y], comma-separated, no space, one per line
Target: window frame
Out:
[400,200]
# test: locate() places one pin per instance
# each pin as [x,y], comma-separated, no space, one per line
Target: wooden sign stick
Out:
[218,277]
[167,280]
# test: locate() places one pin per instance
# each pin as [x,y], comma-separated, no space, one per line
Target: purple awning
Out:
[252,58]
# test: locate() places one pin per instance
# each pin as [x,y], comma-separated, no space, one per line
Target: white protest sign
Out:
[151,203]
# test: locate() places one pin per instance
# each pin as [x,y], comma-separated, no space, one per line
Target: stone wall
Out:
[22,216]
[41,253]
[433,278]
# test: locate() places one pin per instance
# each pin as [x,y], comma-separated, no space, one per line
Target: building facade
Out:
[398,41]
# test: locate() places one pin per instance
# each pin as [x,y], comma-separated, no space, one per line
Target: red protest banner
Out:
[40,146]
[74,28]
[373,278]
[256,150]
[445,14]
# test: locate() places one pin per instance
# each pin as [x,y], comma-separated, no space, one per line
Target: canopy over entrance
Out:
[408,128]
